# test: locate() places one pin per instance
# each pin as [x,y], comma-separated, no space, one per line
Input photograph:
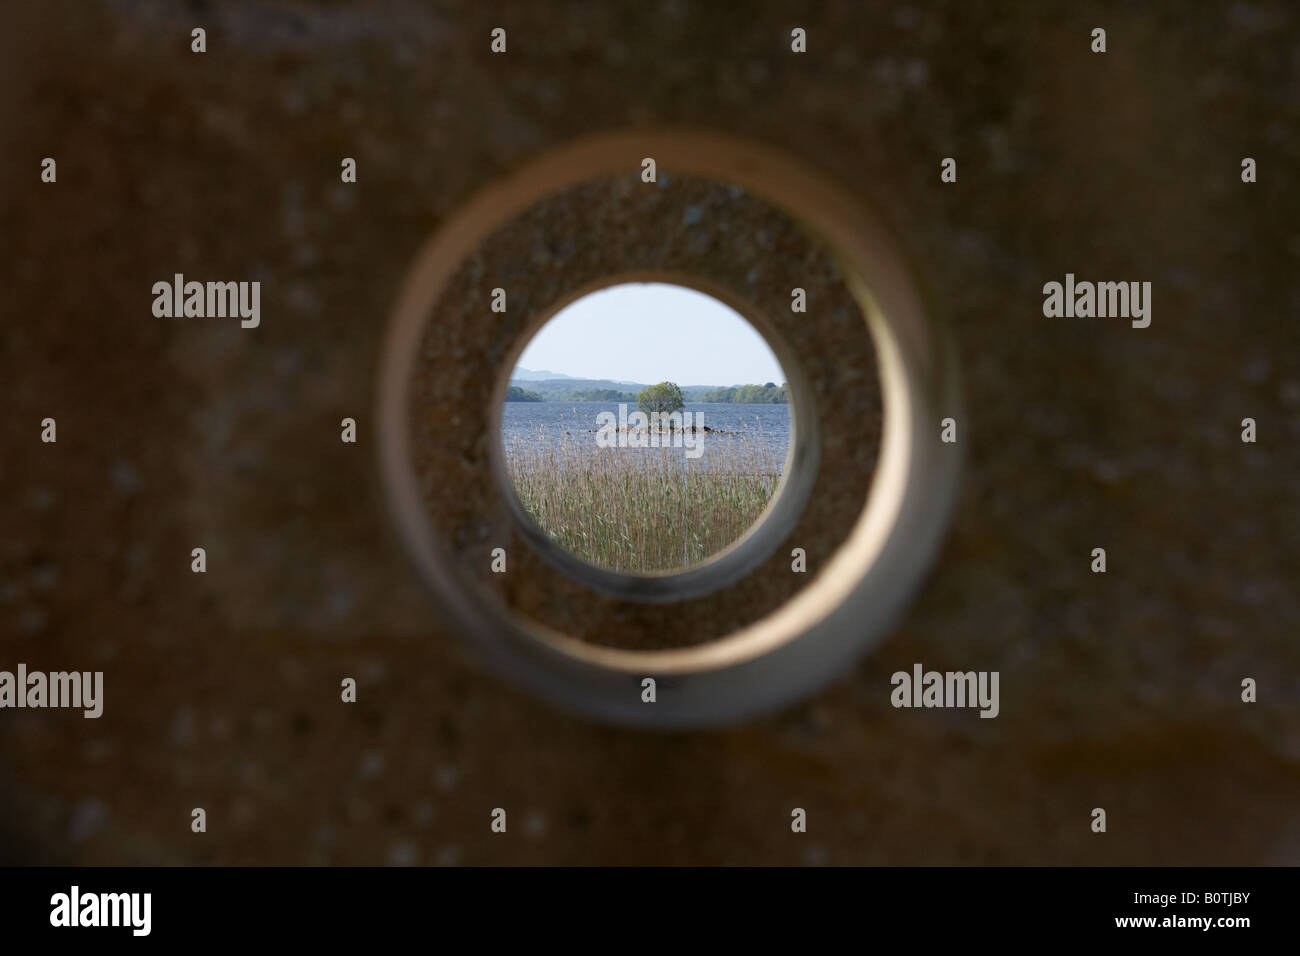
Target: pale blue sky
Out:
[651,332]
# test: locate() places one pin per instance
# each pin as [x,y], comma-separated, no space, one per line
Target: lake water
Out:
[744,432]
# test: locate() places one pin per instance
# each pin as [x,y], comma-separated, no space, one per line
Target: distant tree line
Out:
[768,394]
[596,395]
[554,394]
[516,394]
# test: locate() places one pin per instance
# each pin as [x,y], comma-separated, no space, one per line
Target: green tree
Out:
[664,398]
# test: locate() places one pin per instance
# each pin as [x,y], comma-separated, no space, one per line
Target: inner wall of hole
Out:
[572,241]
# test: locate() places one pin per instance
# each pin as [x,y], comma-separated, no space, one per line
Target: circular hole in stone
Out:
[646,428]
[867,488]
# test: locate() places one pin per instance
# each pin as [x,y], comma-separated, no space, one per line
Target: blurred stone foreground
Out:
[1119,691]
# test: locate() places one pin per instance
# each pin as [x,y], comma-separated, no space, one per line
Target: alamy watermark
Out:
[75,909]
[638,429]
[923,688]
[36,689]
[181,299]
[1086,300]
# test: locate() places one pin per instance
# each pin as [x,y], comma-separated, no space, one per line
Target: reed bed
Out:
[639,510]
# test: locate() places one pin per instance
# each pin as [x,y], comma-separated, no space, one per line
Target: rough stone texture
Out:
[1118,691]
[609,227]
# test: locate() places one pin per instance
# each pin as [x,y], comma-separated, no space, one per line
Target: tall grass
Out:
[639,510]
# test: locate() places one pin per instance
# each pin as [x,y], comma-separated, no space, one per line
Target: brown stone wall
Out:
[1118,690]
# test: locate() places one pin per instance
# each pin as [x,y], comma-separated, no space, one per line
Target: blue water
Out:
[766,427]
